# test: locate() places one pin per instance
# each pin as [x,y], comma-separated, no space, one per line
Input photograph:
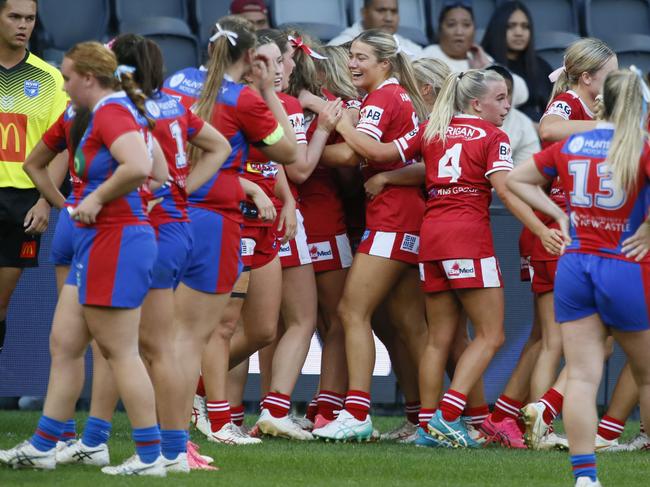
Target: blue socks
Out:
[584,466]
[96,432]
[147,443]
[69,430]
[173,443]
[47,433]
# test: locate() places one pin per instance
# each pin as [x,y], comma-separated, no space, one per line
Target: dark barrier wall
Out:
[25,361]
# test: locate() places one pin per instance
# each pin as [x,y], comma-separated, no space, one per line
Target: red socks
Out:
[200,388]
[476,416]
[312,409]
[506,407]
[452,405]
[610,428]
[553,402]
[357,403]
[328,403]
[237,414]
[412,410]
[219,414]
[277,404]
[425,416]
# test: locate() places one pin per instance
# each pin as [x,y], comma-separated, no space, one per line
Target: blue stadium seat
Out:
[206,13]
[322,19]
[605,19]
[632,49]
[55,33]
[554,15]
[550,46]
[482,12]
[179,46]
[127,11]
[412,19]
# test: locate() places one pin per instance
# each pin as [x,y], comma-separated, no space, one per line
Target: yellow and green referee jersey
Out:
[31,100]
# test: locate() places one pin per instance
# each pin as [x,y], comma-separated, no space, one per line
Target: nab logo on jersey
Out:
[371,114]
[31,88]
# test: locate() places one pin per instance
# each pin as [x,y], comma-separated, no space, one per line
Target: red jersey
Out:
[601,214]
[114,116]
[57,139]
[320,200]
[175,125]
[386,114]
[457,219]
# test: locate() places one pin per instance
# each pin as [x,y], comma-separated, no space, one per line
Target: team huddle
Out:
[288,187]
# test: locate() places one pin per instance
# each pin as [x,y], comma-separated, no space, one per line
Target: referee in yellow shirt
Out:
[31,99]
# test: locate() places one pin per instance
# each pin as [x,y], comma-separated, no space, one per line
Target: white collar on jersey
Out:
[389,81]
[117,94]
[605,125]
[584,105]
[466,115]
[227,77]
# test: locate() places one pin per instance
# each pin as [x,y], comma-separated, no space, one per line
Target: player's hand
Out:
[330,116]
[87,210]
[308,100]
[375,185]
[37,217]
[287,222]
[552,241]
[347,121]
[262,73]
[564,230]
[636,247]
[478,59]
[151,204]
[265,209]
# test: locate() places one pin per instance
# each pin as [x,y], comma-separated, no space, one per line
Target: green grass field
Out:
[284,463]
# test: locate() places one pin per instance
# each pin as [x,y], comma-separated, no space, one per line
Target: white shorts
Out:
[296,251]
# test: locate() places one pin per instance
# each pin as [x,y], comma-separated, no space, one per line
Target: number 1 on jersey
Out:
[181,157]
[449,164]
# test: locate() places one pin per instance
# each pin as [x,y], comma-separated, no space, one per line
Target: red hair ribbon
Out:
[299,44]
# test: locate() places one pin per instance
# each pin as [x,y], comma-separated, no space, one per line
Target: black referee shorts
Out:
[17,249]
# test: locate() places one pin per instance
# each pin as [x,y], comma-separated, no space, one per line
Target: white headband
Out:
[123,69]
[228,34]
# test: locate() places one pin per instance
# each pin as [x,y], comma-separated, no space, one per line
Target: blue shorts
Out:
[617,290]
[174,249]
[62,245]
[215,262]
[112,266]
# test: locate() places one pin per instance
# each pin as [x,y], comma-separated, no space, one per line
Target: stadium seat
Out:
[412,19]
[55,35]
[554,15]
[605,19]
[551,45]
[322,19]
[482,12]
[127,11]
[206,13]
[632,49]
[180,48]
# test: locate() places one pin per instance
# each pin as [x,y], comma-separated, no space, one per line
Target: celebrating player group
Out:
[286,187]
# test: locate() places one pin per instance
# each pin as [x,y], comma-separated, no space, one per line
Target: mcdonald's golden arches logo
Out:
[13,137]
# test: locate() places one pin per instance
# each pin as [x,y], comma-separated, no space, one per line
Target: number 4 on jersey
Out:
[449,164]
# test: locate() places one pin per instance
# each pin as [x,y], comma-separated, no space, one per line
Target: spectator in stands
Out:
[32,100]
[509,40]
[382,15]
[524,140]
[456,44]
[255,11]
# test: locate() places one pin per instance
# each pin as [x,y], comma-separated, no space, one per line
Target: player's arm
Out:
[411,175]
[159,168]
[553,128]
[524,185]
[36,167]
[135,165]
[287,223]
[215,150]
[266,209]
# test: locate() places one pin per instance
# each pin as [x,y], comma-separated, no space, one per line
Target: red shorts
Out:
[445,275]
[330,253]
[259,246]
[542,274]
[398,246]
[524,268]
[296,251]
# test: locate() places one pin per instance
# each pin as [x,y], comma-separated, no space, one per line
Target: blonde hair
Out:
[336,74]
[429,71]
[305,74]
[385,48]
[586,55]
[99,61]
[623,105]
[458,90]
